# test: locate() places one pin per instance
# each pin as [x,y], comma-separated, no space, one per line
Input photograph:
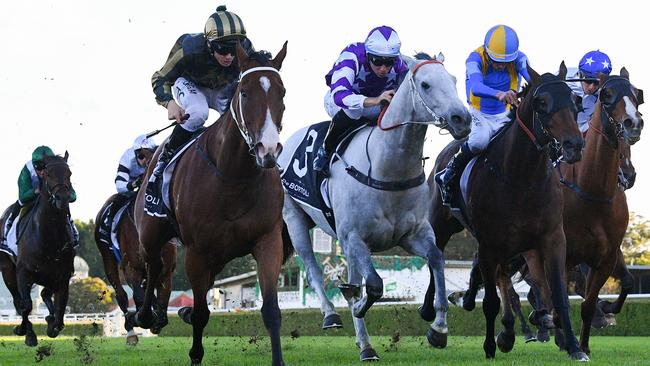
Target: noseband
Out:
[241,123]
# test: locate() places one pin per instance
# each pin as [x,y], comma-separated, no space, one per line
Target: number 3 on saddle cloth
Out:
[301,181]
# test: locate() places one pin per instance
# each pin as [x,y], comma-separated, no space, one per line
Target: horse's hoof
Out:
[332,321]
[30,339]
[144,321]
[436,339]
[359,311]
[599,322]
[529,337]
[579,356]
[456,298]
[543,336]
[132,340]
[369,354]
[185,313]
[611,319]
[505,341]
[547,321]
[160,324]
[19,330]
[427,315]
[606,306]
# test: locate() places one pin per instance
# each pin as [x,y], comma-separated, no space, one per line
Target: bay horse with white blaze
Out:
[514,201]
[226,197]
[595,208]
[133,269]
[372,217]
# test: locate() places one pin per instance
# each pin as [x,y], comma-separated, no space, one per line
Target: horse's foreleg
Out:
[152,245]
[362,339]
[201,277]
[25,328]
[360,254]
[164,289]
[627,286]
[298,227]
[506,338]
[435,300]
[595,281]
[269,255]
[487,265]
[475,283]
[541,313]
[60,303]
[516,307]
[554,249]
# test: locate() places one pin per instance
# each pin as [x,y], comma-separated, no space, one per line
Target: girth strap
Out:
[385,186]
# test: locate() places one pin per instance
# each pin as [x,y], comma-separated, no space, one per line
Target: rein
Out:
[437,120]
[241,123]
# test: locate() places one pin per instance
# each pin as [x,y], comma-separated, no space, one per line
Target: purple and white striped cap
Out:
[383,41]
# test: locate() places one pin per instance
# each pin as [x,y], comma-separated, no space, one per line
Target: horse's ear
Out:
[625,73]
[65,156]
[440,57]
[277,60]
[601,78]
[563,71]
[242,56]
[534,76]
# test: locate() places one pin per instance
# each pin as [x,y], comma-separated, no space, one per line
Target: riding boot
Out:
[153,194]
[451,177]
[74,233]
[15,210]
[340,124]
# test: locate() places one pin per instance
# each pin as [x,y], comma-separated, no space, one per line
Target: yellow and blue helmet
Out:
[501,43]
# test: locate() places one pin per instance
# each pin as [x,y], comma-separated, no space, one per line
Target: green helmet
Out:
[224,26]
[41,152]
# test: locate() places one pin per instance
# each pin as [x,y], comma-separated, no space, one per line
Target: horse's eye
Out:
[243,94]
[425,85]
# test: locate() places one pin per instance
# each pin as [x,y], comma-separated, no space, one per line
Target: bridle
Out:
[56,189]
[437,121]
[240,122]
[540,135]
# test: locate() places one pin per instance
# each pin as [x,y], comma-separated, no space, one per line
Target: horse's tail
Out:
[287,245]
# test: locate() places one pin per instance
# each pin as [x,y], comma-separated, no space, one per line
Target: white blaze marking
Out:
[631,110]
[270,136]
[266,83]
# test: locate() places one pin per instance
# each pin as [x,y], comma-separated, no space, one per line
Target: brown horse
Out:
[45,251]
[514,201]
[133,269]
[226,197]
[595,208]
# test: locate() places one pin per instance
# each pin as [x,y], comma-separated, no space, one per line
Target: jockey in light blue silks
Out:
[364,75]
[591,64]
[494,75]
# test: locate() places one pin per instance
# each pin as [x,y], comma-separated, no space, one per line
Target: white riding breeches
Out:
[484,126]
[331,108]
[197,101]
[11,236]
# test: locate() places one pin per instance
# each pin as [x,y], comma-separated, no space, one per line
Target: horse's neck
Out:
[51,223]
[597,173]
[396,154]
[226,147]
[521,162]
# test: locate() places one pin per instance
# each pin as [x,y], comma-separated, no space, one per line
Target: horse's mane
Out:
[261,56]
[422,56]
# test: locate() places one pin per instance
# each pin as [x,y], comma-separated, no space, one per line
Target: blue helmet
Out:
[383,42]
[501,43]
[594,62]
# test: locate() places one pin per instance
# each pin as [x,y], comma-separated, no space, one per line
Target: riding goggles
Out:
[381,61]
[223,48]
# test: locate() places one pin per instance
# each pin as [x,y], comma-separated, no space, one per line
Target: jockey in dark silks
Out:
[200,74]
[29,186]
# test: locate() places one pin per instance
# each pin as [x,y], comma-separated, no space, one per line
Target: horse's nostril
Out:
[456,119]
[627,123]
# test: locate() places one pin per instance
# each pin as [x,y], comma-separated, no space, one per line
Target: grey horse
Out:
[371,219]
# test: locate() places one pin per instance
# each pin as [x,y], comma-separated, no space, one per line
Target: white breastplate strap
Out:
[241,123]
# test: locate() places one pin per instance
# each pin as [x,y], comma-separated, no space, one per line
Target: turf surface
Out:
[245,351]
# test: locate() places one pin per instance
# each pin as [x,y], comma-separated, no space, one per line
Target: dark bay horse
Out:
[45,251]
[133,269]
[226,197]
[595,208]
[514,201]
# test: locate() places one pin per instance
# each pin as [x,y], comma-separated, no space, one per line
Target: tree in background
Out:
[90,295]
[88,249]
[636,243]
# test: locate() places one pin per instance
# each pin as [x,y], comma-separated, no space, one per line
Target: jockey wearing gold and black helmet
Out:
[201,73]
